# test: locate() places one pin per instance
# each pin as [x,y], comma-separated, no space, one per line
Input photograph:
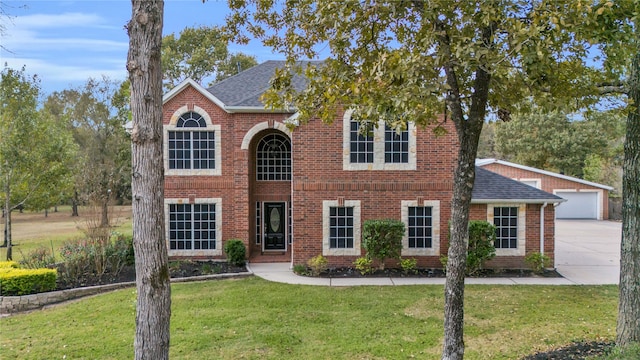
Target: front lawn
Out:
[256,319]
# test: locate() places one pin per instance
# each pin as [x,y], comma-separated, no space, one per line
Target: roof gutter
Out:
[517,201]
[255,109]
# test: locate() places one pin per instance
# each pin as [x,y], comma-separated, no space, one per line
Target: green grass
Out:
[256,319]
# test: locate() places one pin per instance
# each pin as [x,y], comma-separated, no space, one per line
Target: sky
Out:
[67,42]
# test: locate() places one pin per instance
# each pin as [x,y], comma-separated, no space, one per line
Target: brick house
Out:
[585,199]
[235,170]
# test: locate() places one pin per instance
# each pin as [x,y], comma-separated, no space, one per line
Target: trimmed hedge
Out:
[26,281]
[8,264]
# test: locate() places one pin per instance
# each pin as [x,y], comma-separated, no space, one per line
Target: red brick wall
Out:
[549,183]
[318,175]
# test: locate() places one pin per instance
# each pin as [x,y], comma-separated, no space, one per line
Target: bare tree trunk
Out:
[74,204]
[152,271]
[628,327]
[7,221]
[104,219]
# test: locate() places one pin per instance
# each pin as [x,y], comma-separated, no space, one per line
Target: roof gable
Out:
[490,187]
[483,162]
[185,84]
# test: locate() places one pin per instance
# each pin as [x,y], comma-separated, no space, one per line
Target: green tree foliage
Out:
[409,60]
[550,141]
[36,152]
[96,114]
[199,53]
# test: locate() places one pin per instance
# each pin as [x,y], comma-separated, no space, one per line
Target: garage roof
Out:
[483,162]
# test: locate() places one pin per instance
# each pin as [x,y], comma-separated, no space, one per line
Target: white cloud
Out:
[66,20]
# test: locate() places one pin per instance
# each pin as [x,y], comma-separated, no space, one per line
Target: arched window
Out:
[191,147]
[273,158]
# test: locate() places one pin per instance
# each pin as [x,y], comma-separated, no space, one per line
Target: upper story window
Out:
[361,145]
[396,146]
[192,144]
[273,158]
[381,148]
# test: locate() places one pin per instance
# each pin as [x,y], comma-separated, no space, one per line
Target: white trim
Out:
[246,140]
[189,82]
[217,129]
[326,249]
[538,181]
[522,231]
[378,148]
[434,250]
[483,162]
[218,203]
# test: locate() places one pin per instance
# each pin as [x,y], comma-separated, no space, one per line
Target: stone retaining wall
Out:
[15,304]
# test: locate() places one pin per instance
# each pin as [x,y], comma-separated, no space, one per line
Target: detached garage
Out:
[585,199]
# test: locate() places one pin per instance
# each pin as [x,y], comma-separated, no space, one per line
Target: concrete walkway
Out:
[587,253]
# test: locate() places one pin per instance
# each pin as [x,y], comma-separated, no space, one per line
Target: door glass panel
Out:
[274,220]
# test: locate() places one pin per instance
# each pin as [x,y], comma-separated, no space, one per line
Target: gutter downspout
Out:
[542,228]
[291,203]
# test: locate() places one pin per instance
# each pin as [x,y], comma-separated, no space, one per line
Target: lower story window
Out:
[193,228]
[506,221]
[341,227]
[420,227]
[422,223]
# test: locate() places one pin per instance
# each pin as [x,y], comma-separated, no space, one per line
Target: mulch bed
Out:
[177,269]
[575,351]
[434,273]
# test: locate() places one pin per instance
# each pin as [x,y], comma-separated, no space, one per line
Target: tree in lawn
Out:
[153,310]
[410,61]
[614,27]
[36,152]
[199,53]
[104,161]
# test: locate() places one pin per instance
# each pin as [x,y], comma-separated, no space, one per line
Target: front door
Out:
[274,226]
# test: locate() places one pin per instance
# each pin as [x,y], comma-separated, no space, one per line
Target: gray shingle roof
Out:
[492,187]
[245,88]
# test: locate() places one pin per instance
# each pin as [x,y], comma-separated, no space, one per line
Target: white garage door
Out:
[579,205]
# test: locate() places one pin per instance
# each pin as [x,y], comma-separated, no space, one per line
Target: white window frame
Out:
[357,231]
[434,250]
[522,231]
[172,126]
[378,148]
[208,252]
[538,182]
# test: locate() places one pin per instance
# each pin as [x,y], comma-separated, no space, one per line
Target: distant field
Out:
[31,230]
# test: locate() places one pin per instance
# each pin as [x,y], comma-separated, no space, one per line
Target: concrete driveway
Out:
[588,251]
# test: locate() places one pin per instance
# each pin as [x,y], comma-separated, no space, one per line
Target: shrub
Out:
[363,264]
[93,256]
[235,251]
[318,264]
[382,239]
[300,269]
[409,266]
[8,264]
[26,281]
[38,258]
[482,236]
[537,262]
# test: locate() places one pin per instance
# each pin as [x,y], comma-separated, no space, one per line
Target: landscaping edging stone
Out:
[16,304]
